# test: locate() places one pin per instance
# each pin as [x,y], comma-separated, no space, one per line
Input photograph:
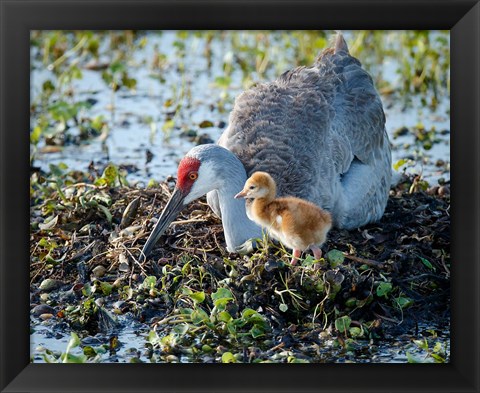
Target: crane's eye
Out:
[252,187]
[193,175]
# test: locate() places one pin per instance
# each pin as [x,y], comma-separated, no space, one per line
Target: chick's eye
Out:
[252,187]
[193,175]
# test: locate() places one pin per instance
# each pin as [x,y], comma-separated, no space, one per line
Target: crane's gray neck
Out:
[238,228]
[227,177]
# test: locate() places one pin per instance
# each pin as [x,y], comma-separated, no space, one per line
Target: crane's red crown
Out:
[187,173]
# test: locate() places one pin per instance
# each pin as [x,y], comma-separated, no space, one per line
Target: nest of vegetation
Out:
[382,278]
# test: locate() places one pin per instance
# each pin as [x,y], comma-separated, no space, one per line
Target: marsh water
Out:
[189,86]
[185,86]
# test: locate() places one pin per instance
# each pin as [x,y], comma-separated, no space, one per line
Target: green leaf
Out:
[222,293]
[403,302]
[150,282]
[129,83]
[221,303]
[87,289]
[48,87]
[49,245]
[168,341]
[69,358]
[106,212]
[89,351]
[399,164]
[197,297]
[422,344]
[106,288]
[72,343]
[252,316]
[186,291]
[98,122]
[107,77]
[384,288]
[186,311]
[152,337]
[35,135]
[335,257]
[257,331]
[293,359]
[412,358]
[437,358]
[168,125]
[152,183]
[221,298]
[56,170]
[186,269]
[356,332]
[206,124]
[228,357]
[103,198]
[342,324]
[127,291]
[206,348]
[308,261]
[427,263]
[231,327]
[199,316]
[223,81]
[438,348]
[116,66]
[224,316]
[181,329]
[283,307]
[110,174]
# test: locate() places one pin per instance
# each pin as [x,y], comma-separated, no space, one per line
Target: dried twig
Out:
[368,262]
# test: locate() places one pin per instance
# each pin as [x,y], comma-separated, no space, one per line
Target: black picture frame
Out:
[18,17]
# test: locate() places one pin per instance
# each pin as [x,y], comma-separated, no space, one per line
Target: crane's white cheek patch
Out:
[206,182]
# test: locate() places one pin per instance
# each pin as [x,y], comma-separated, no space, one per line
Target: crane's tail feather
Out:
[340,43]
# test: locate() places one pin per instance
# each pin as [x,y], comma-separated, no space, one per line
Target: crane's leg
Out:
[296,255]
[316,251]
[247,248]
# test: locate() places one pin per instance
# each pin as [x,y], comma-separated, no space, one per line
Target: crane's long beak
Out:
[172,208]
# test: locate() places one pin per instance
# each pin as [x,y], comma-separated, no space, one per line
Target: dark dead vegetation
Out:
[374,282]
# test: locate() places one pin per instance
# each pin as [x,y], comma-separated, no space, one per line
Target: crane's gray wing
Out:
[358,109]
[283,128]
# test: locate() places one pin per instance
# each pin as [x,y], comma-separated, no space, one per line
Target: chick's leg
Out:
[296,255]
[316,251]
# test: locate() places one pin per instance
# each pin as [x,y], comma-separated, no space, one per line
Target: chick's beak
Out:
[241,194]
[171,210]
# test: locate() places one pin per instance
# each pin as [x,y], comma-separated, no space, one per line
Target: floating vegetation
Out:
[202,304]
[61,114]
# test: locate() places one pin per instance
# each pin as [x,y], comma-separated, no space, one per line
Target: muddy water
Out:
[133,345]
[136,119]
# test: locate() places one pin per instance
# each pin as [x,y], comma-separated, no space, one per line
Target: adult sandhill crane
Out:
[319,131]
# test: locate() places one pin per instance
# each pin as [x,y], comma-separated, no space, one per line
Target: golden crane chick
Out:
[297,223]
